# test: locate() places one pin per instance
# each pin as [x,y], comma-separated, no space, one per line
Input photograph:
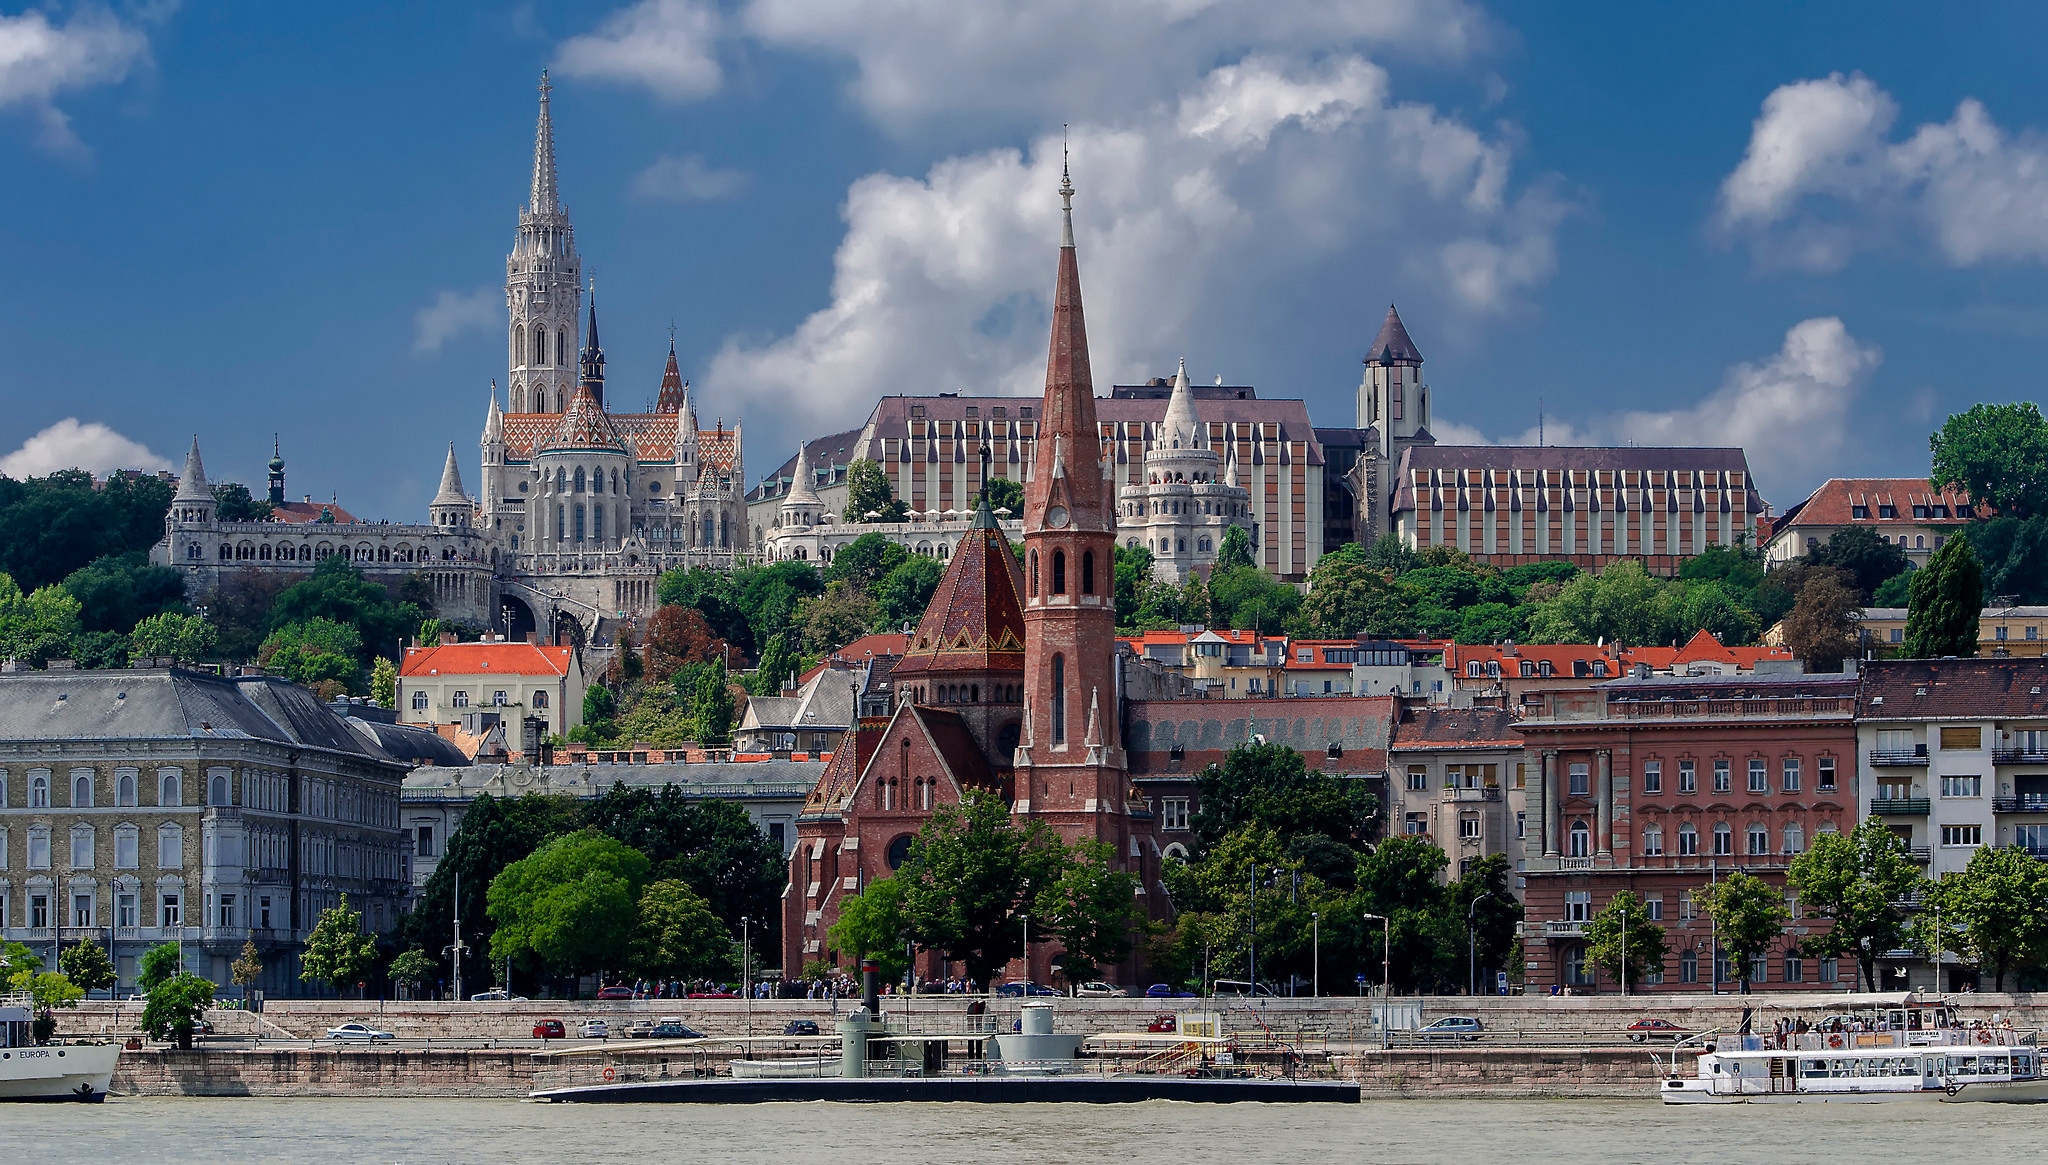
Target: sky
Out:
[1809,230]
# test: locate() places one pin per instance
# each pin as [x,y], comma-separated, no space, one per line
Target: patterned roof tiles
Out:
[975,621]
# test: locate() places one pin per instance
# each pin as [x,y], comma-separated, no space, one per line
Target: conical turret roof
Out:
[192,486]
[975,621]
[1066,471]
[494,419]
[1392,345]
[1182,427]
[801,491]
[672,387]
[451,480]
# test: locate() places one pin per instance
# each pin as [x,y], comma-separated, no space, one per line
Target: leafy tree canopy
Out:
[115,591]
[234,503]
[565,906]
[52,526]
[1271,786]
[872,925]
[968,878]
[1863,555]
[864,561]
[868,492]
[904,593]
[1999,453]
[1946,605]
[678,937]
[338,951]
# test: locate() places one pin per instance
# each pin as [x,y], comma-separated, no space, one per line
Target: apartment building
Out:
[1456,776]
[1904,511]
[449,682]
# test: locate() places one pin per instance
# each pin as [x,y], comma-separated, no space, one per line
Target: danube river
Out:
[1462,1131]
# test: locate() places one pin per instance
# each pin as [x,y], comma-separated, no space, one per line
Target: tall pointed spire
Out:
[1066,200]
[451,481]
[802,490]
[1392,345]
[494,418]
[1066,482]
[592,359]
[192,486]
[1182,426]
[546,199]
[671,398]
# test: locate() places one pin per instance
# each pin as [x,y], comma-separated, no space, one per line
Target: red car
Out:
[615,993]
[549,1029]
[1163,1023]
[1655,1029]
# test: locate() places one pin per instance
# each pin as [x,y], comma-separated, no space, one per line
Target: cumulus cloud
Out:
[1792,408]
[40,59]
[69,444]
[1824,178]
[1189,214]
[669,46]
[688,179]
[455,312]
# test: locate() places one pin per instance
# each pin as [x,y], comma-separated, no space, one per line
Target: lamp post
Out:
[1624,950]
[1472,945]
[1252,944]
[1386,961]
[746,968]
[1315,922]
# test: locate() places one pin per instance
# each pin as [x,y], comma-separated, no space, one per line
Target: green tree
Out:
[1896,591]
[175,1007]
[54,989]
[338,952]
[1622,940]
[968,878]
[384,683]
[712,845]
[1947,604]
[872,924]
[1748,915]
[1389,553]
[2014,552]
[414,970]
[1271,786]
[100,649]
[159,964]
[1738,567]
[1492,623]
[778,662]
[1999,453]
[36,627]
[1248,598]
[234,503]
[19,965]
[1132,571]
[599,705]
[338,592]
[114,591]
[1347,598]
[88,966]
[868,492]
[1091,909]
[315,650]
[1822,628]
[1853,880]
[1004,494]
[495,832]
[1235,550]
[678,936]
[904,593]
[864,561]
[1718,610]
[247,967]
[570,906]
[1994,913]
[1860,553]
[238,611]
[52,526]
[1401,880]
[836,618]
[712,706]
[1621,604]
[184,638]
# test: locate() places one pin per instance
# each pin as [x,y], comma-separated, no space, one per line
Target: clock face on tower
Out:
[1056,517]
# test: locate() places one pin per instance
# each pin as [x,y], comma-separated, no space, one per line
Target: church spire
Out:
[546,199]
[192,485]
[592,360]
[672,388]
[1066,481]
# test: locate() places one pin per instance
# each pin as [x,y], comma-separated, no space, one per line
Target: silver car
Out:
[357,1031]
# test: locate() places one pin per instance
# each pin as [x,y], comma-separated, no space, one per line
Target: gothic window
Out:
[597,523]
[724,534]
[561,342]
[1034,574]
[1059,572]
[615,481]
[1059,699]
[579,521]
[1087,572]
[518,341]
[540,346]
[540,399]
[579,479]
[263,552]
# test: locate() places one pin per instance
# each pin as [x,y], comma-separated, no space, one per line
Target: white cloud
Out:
[39,60]
[670,46]
[688,179]
[453,313]
[69,444]
[1189,215]
[1823,178]
[1791,409]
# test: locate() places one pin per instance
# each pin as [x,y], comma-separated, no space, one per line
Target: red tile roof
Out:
[975,622]
[469,659]
[297,512]
[1833,504]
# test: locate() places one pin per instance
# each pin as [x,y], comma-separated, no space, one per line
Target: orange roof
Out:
[297,512]
[1835,502]
[859,651]
[470,659]
[1704,647]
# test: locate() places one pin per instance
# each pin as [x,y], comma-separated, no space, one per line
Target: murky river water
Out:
[1474,1132]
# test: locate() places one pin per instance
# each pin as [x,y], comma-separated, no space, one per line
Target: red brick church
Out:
[1008,684]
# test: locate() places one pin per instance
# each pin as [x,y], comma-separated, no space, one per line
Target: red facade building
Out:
[1662,784]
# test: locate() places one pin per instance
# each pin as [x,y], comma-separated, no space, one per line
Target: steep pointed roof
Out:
[584,426]
[494,418]
[975,621]
[451,480]
[1392,345]
[802,492]
[672,386]
[546,199]
[1703,646]
[1181,423]
[1067,460]
[192,486]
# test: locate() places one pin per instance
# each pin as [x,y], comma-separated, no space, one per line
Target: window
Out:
[1174,813]
[1884,511]
[1581,840]
[125,910]
[124,787]
[1964,739]
[1059,572]
[1759,840]
[1653,907]
[1721,779]
[1688,780]
[218,785]
[1859,511]
[1088,571]
[1790,775]
[1962,786]
[1829,970]
[1795,840]
[1578,905]
[227,910]
[81,788]
[1961,836]
[170,911]
[81,847]
[1653,841]
[540,698]
[170,847]
[39,910]
[1653,776]
[460,699]
[1059,699]
[1468,826]
[1581,780]
[1688,841]
[1759,970]
[423,841]
[498,699]
[1033,580]
[419,701]
[1521,826]
[1759,777]
[38,849]
[263,912]
[81,909]
[1418,777]
[126,847]
[1826,766]
[1724,841]
[1688,966]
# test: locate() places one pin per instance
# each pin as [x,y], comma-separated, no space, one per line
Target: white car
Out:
[596,1029]
[1100,990]
[496,997]
[357,1031]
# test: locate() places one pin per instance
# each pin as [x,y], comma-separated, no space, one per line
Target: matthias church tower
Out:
[543,276]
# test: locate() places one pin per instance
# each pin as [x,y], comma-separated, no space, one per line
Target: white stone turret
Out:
[451,508]
[194,500]
[494,474]
[802,506]
[1179,510]
[543,281]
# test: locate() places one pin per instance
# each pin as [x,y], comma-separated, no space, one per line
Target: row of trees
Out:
[1992,914]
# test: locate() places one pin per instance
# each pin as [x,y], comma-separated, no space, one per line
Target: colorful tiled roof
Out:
[584,426]
[469,659]
[652,435]
[975,621]
[309,512]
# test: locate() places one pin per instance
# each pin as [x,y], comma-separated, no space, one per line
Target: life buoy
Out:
[1983,1035]
[1835,1041]
[607,1074]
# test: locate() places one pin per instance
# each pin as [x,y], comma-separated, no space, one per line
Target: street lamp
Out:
[1386,961]
[746,968]
[1315,922]
[1252,943]
[1472,945]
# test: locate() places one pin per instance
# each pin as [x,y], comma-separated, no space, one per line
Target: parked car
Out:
[549,1029]
[1656,1029]
[640,1029]
[1452,1027]
[596,1029]
[1163,1023]
[671,1028]
[1163,991]
[496,997]
[615,993]
[1015,990]
[801,1027]
[1100,990]
[1241,987]
[357,1031]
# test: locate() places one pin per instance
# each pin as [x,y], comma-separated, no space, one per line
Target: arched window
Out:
[167,791]
[1059,695]
[1724,840]
[974,693]
[1528,668]
[1034,574]
[597,523]
[1795,839]
[561,522]
[518,342]
[1653,841]
[1582,838]
[579,522]
[124,789]
[561,342]
[218,786]
[540,346]
[1688,841]
[1087,572]
[1059,572]
[1688,966]
[540,398]
[579,479]
[81,790]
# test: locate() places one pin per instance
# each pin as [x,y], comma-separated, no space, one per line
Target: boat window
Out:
[1962,1065]
[1994,1065]
[1813,1069]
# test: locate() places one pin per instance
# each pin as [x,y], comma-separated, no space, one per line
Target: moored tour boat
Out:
[69,1071]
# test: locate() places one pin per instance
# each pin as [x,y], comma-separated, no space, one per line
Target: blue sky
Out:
[1812,232]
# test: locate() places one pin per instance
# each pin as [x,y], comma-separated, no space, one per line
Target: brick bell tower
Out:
[1070,769]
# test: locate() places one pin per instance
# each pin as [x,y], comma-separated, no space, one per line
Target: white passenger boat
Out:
[1895,1050]
[51,1071]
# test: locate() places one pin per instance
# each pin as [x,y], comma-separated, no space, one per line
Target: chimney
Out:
[447,637]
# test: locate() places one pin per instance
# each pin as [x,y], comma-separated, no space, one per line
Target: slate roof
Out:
[1393,344]
[1425,729]
[975,621]
[1953,689]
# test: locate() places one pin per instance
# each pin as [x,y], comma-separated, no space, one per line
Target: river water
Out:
[1468,1132]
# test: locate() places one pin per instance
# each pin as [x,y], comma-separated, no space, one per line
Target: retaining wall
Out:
[324,1072]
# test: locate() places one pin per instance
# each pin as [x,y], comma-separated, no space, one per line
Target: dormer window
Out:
[1887,511]
[1859,512]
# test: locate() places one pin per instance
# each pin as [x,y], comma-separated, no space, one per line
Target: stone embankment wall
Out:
[354,1071]
[1467,1071]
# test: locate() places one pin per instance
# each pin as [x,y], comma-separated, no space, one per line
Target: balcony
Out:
[2019,756]
[2024,803]
[1575,863]
[1560,929]
[1891,757]
[1901,806]
[1920,853]
[1488,793]
[1762,709]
